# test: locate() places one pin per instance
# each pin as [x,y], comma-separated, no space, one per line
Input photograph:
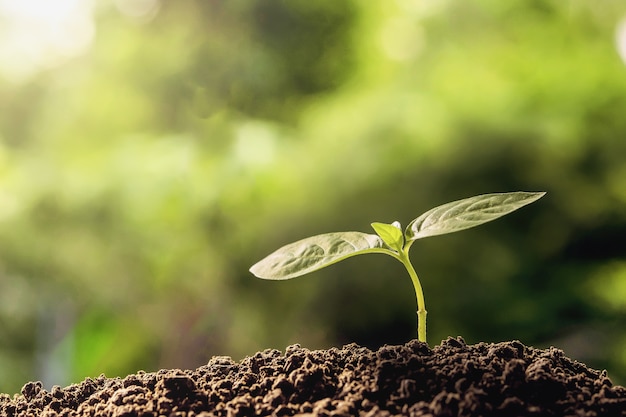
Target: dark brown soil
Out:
[453,379]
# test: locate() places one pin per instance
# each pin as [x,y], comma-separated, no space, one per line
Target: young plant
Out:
[313,253]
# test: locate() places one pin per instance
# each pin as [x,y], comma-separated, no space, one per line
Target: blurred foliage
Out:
[140,180]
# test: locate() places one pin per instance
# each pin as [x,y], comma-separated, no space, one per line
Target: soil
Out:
[453,379]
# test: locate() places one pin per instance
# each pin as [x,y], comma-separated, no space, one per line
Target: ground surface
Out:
[453,379]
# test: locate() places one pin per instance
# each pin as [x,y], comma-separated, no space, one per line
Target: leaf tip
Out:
[535,195]
[253,270]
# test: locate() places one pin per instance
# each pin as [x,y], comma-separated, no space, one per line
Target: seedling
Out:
[313,253]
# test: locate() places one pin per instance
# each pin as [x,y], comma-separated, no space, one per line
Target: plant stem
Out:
[403,257]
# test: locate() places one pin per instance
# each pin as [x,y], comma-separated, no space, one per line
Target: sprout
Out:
[316,252]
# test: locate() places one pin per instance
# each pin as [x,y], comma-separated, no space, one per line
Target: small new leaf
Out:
[466,213]
[390,234]
[313,253]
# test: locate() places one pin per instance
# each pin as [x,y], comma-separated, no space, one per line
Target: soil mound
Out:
[453,379]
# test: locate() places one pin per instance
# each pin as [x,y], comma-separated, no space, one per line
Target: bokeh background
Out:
[151,151]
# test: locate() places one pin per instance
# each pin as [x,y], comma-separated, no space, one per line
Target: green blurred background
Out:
[152,151]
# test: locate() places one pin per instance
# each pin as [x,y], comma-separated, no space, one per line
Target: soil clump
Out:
[452,379]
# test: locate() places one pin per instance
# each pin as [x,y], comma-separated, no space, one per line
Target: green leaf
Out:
[313,253]
[391,234]
[470,212]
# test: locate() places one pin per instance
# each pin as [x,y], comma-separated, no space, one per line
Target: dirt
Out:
[453,379]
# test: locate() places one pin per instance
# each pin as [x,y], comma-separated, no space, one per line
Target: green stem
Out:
[403,257]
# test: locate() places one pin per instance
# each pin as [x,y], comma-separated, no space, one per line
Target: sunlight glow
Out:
[139,10]
[401,39]
[620,39]
[39,34]
[255,144]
